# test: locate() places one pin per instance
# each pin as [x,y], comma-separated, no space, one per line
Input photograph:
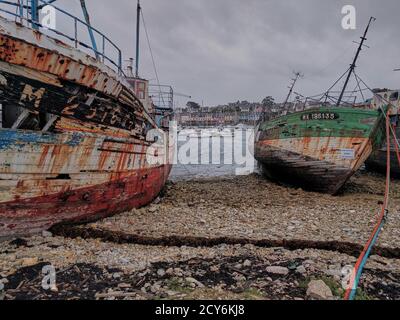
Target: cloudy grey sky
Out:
[220,51]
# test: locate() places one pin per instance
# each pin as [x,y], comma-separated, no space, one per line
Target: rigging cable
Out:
[152,57]
[359,87]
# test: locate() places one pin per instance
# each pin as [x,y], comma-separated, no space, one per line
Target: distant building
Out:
[240,112]
[232,114]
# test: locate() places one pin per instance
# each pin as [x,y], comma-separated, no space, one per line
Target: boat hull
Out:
[76,144]
[378,159]
[318,149]
[32,215]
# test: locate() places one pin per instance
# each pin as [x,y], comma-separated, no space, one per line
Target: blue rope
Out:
[364,261]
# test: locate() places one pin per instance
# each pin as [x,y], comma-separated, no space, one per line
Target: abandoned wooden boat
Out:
[377,161]
[318,149]
[321,146]
[76,132]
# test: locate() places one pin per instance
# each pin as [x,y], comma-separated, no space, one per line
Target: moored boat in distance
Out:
[321,146]
[377,161]
[76,130]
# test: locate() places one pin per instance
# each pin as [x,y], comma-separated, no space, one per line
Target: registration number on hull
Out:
[320,116]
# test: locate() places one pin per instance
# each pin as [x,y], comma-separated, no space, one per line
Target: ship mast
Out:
[353,65]
[138,37]
[298,75]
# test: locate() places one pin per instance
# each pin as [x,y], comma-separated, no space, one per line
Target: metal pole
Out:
[353,65]
[34,14]
[92,38]
[21,9]
[137,38]
[298,75]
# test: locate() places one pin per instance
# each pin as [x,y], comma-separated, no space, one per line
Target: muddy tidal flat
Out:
[225,238]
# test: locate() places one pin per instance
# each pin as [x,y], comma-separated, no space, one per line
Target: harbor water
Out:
[214,152]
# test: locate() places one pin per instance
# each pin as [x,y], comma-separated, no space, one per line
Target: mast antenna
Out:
[298,75]
[353,65]
[139,8]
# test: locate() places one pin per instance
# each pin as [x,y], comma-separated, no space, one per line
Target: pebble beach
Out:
[217,238]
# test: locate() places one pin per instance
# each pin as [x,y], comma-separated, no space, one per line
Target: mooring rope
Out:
[362,260]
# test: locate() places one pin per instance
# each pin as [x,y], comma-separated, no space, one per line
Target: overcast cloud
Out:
[220,51]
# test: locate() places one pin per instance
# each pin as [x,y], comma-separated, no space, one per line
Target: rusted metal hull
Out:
[33,214]
[319,149]
[78,148]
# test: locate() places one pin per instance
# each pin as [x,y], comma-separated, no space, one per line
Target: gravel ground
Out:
[254,208]
[90,269]
[244,208]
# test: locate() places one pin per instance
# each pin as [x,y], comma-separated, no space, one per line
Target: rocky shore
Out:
[231,238]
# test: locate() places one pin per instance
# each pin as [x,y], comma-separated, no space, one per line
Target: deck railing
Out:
[23,13]
[162,96]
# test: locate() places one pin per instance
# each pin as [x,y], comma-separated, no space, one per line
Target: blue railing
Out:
[23,12]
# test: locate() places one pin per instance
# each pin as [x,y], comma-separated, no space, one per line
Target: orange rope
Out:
[381,218]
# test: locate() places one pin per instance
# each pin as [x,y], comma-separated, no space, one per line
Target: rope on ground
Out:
[362,260]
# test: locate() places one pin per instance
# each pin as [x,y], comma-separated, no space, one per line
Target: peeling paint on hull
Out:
[32,215]
[94,161]
[308,172]
[318,149]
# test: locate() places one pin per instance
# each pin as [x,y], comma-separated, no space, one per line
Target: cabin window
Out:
[394,96]
[141,88]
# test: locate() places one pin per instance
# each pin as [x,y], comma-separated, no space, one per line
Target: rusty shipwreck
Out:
[319,145]
[76,130]
[377,161]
